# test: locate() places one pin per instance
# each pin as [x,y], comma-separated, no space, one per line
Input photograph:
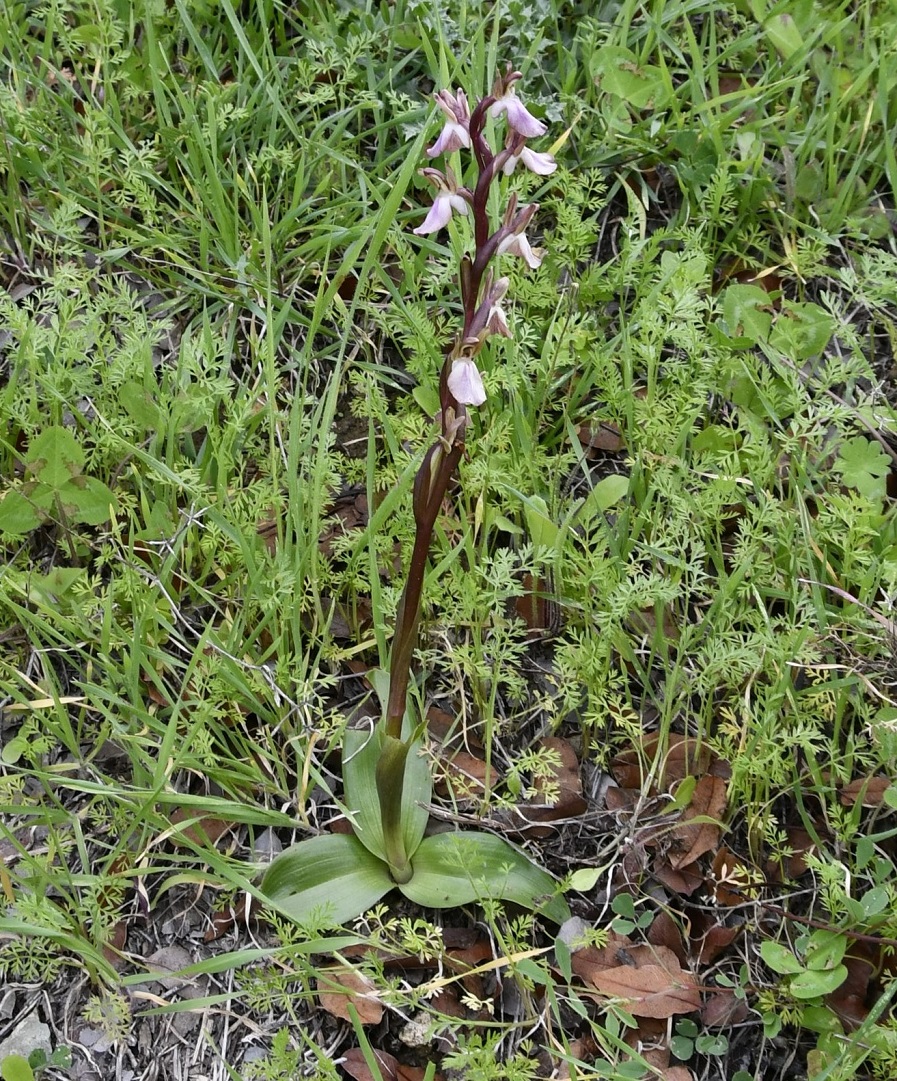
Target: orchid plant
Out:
[386,776]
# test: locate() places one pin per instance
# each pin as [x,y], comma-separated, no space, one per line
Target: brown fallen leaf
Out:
[721,1010]
[684,757]
[536,607]
[684,880]
[652,984]
[664,931]
[801,845]
[733,881]
[205,830]
[621,799]
[692,839]
[115,944]
[461,775]
[592,959]
[848,1002]
[867,791]
[354,1064]
[716,940]
[559,794]
[339,986]
[600,435]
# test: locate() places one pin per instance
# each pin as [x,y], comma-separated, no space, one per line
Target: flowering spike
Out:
[460,381]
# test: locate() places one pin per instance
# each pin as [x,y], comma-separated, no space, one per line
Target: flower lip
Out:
[517,244]
[541,164]
[449,197]
[466,383]
[519,117]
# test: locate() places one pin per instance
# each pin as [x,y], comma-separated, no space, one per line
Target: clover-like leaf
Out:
[456,868]
[780,959]
[331,877]
[863,465]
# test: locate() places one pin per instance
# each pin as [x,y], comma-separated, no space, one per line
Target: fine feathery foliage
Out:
[647,663]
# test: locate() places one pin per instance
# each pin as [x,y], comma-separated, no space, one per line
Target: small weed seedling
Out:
[387,781]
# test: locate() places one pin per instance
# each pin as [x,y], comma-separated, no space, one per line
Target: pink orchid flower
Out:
[448,198]
[519,117]
[466,383]
[455,133]
[517,244]
[542,164]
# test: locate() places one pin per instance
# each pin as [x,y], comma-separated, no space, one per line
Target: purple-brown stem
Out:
[440,462]
[426,509]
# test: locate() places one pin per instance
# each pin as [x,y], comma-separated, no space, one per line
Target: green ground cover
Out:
[657,648]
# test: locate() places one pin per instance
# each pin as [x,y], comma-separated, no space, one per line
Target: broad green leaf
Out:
[361,749]
[813,983]
[819,1019]
[542,529]
[140,405]
[457,868]
[427,398]
[744,310]
[825,950]
[606,494]
[16,1068]
[48,588]
[55,457]
[801,331]
[586,878]
[18,515]
[620,75]
[780,959]
[784,34]
[332,876]
[88,500]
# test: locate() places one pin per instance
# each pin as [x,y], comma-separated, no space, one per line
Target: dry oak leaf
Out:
[715,941]
[588,962]
[867,791]
[684,757]
[732,880]
[559,795]
[684,880]
[652,984]
[462,775]
[664,931]
[677,1073]
[203,829]
[337,987]
[722,1010]
[692,839]
[391,1069]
